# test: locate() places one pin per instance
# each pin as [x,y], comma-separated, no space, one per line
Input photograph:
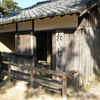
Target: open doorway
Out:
[41,46]
[44,44]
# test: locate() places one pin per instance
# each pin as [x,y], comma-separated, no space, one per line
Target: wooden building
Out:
[61,35]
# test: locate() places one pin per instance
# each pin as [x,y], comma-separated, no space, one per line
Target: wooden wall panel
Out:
[90,22]
[23,42]
[69,50]
[69,53]
[92,35]
[59,50]
[91,57]
[23,45]
[70,57]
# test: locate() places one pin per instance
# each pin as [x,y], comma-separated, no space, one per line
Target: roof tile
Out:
[45,9]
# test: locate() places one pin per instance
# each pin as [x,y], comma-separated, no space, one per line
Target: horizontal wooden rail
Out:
[74,71]
[19,54]
[40,80]
[64,76]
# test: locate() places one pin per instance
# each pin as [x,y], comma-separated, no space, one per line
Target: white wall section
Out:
[22,26]
[8,28]
[58,22]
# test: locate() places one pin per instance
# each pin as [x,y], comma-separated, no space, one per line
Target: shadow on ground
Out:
[45,92]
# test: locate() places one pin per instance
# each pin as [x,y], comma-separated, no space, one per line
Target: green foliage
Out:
[2,10]
[8,6]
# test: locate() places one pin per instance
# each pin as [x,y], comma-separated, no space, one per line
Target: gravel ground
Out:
[19,90]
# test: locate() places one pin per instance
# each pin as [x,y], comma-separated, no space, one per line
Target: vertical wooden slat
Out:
[17,39]
[34,59]
[20,43]
[48,49]
[92,52]
[31,78]
[89,46]
[95,48]
[64,85]
[77,53]
[66,52]
[99,49]
[81,58]
[86,56]
[72,50]
[34,49]
[87,53]
[53,50]
[9,74]
[28,42]
[96,54]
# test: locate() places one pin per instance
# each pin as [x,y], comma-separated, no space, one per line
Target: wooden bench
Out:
[64,76]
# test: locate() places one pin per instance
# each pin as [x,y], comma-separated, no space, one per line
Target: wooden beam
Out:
[16,27]
[66,74]
[33,25]
[74,71]
[20,54]
[89,7]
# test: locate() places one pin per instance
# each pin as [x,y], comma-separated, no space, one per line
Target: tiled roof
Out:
[46,9]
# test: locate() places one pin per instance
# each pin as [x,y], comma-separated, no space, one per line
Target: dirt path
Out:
[19,90]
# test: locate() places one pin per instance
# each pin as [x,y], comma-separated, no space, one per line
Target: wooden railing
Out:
[64,76]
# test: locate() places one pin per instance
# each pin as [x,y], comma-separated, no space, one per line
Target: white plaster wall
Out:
[45,24]
[56,23]
[22,26]
[8,28]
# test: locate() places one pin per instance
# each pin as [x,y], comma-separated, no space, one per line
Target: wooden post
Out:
[9,73]
[64,84]
[48,50]
[31,78]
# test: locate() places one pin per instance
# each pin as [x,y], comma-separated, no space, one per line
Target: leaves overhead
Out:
[8,6]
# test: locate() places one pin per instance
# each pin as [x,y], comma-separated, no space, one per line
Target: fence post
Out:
[64,85]
[31,78]
[9,74]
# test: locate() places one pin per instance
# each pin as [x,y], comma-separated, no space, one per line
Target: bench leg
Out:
[31,78]
[64,85]
[9,74]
